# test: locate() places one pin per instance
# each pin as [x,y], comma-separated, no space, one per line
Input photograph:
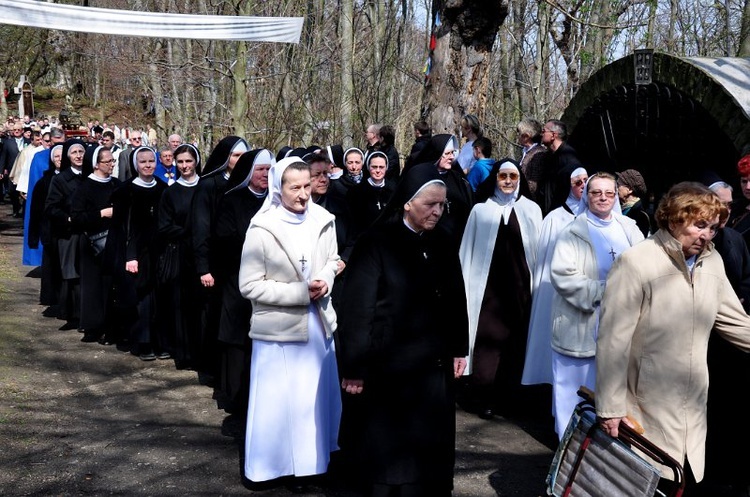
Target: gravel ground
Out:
[85,419]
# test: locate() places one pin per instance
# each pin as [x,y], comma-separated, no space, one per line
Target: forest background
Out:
[359,62]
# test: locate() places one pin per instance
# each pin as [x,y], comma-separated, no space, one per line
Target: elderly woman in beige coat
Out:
[663,298]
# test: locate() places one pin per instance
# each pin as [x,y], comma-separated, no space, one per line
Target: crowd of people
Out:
[292,276]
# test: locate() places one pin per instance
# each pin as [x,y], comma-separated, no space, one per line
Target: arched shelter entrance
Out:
[679,117]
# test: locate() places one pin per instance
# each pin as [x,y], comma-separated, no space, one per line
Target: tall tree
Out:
[465,32]
[744,45]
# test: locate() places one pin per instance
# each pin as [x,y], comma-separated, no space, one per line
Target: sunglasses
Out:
[578,182]
[504,176]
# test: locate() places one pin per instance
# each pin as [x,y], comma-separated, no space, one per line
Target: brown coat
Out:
[653,336]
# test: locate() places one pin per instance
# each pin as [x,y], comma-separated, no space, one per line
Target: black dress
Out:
[40,231]
[366,203]
[133,237]
[236,210]
[209,260]
[57,209]
[178,287]
[402,322]
[88,201]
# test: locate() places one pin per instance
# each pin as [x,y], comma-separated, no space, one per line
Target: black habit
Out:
[403,320]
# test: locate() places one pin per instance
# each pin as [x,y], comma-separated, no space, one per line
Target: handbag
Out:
[98,241]
[168,265]
[590,463]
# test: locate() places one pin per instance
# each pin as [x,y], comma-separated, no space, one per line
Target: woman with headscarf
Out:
[631,188]
[177,305]
[289,262]
[247,190]
[538,361]
[404,341]
[584,253]
[91,215]
[440,157]
[208,259]
[135,253]
[39,231]
[368,199]
[57,209]
[498,255]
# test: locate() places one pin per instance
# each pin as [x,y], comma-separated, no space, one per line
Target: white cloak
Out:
[476,250]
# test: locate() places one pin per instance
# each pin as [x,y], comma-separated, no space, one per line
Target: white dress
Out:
[538,362]
[294,406]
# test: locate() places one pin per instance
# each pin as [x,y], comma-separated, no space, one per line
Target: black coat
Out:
[554,185]
[402,321]
[58,204]
[366,203]
[209,192]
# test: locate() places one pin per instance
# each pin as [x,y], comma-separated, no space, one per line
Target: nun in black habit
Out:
[403,335]
[440,155]
[209,261]
[368,199]
[247,189]
[91,215]
[178,286]
[57,209]
[132,243]
[40,231]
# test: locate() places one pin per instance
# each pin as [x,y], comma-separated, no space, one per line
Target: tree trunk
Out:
[347,72]
[460,67]
[744,45]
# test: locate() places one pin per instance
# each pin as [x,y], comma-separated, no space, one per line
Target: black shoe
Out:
[163,355]
[70,325]
[150,356]
[52,311]
[105,340]
[88,338]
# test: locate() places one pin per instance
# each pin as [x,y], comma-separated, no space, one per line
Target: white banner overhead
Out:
[39,14]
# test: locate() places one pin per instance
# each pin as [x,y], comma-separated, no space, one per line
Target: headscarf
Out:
[91,163]
[506,201]
[411,184]
[435,148]
[358,177]
[572,202]
[134,164]
[486,189]
[180,150]
[283,153]
[336,155]
[219,159]
[245,167]
[51,166]
[583,204]
[273,199]
[367,165]
[65,163]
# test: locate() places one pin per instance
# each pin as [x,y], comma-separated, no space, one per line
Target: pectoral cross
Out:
[378,204]
[612,252]
[303,261]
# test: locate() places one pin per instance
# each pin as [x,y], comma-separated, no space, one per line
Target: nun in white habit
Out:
[289,262]
[584,252]
[537,367]
[498,254]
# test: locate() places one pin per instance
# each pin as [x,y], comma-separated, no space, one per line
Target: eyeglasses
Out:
[47,140]
[449,153]
[578,182]
[135,139]
[504,176]
[110,161]
[599,193]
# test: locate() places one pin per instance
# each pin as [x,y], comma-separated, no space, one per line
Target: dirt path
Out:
[85,419]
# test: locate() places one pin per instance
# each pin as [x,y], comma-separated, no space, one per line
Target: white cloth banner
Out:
[40,14]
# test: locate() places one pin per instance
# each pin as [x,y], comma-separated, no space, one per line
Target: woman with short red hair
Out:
[740,218]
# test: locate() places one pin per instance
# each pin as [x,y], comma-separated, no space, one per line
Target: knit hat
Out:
[633,180]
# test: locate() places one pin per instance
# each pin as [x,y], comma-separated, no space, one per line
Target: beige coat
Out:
[653,338]
[274,284]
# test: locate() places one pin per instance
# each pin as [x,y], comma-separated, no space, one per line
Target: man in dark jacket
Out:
[554,185]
